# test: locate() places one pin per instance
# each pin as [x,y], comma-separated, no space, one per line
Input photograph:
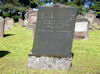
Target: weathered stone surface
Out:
[49,63]
[21,22]
[1,27]
[54,32]
[32,20]
[96,21]
[53,38]
[91,17]
[9,22]
[6,28]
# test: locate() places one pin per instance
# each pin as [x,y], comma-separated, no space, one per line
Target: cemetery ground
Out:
[18,42]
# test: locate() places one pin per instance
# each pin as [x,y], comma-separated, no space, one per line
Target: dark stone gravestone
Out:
[1,27]
[53,38]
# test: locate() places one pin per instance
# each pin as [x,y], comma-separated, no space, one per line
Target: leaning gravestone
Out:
[1,27]
[53,38]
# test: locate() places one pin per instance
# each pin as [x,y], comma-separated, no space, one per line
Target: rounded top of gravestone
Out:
[59,5]
[7,18]
[1,19]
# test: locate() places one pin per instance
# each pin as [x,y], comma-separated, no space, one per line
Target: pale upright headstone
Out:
[81,29]
[21,22]
[9,22]
[1,27]
[32,20]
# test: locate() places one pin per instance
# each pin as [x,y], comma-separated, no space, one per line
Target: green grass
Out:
[86,58]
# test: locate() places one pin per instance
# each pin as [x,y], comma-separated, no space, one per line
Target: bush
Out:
[6,14]
[15,17]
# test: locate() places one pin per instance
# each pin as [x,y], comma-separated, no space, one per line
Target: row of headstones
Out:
[30,19]
[5,25]
[81,25]
[93,20]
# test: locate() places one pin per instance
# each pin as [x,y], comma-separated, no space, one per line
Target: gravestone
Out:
[53,38]
[1,27]
[81,29]
[6,28]
[9,22]
[90,16]
[32,20]
[21,22]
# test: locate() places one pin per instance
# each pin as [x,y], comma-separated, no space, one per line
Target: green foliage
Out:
[79,8]
[75,3]
[87,10]
[20,8]
[13,6]
[57,1]
[15,17]
[7,7]
[33,1]
[37,2]
[96,7]
[6,14]
[78,2]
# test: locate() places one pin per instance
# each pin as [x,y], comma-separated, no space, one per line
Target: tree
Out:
[37,3]
[78,4]
[11,8]
[96,7]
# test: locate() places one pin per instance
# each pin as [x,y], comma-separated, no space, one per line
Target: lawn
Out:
[18,42]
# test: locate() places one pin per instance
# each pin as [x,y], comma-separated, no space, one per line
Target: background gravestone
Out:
[81,29]
[53,38]
[1,27]
[32,20]
[21,22]
[9,22]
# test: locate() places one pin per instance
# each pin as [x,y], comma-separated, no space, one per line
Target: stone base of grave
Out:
[49,63]
[81,35]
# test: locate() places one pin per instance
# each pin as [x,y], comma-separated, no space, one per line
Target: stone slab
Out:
[49,63]
[54,32]
[81,27]
[1,27]
[81,30]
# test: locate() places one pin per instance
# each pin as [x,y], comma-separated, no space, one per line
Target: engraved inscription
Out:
[55,24]
[55,34]
[54,31]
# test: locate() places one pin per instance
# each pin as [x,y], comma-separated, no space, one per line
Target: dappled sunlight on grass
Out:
[19,43]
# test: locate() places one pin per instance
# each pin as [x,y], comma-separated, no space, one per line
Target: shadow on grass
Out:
[3,53]
[72,55]
[5,35]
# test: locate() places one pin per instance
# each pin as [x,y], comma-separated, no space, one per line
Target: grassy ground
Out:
[18,42]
